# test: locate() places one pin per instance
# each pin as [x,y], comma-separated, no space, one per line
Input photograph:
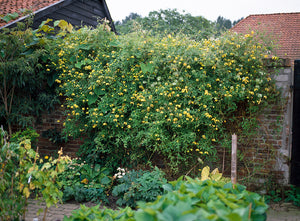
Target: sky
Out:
[209,9]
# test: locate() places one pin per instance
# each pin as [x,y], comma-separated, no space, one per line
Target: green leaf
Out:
[143,216]
[45,22]
[233,216]
[51,79]
[99,91]
[46,166]
[147,67]
[10,16]
[114,43]
[92,99]
[40,211]
[105,180]
[85,46]
[56,23]
[78,65]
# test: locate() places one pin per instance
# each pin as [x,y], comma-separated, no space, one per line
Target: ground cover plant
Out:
[279,194]
[138,97]
[140,185]
[83,182]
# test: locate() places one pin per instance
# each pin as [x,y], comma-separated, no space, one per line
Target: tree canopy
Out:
[171,21]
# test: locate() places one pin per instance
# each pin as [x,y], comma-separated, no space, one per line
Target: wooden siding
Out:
[77,12]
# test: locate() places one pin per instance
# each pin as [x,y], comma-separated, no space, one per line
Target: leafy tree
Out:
[237,21]
[168,21]
[26,83]
[223,24]
[127,24]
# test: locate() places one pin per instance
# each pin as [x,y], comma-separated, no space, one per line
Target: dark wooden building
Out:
[76,12]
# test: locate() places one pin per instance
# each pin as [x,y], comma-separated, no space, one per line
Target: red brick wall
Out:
[54,120]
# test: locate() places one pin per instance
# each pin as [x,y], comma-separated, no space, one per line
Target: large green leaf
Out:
[11,16]
[99,91]
[92,99]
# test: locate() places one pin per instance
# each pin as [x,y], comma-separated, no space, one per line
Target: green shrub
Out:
[84,194]
[139,186]
[21,172]
[27,84]
[293,195]
[278,193]
[29,133]
[85,182]
[13,201]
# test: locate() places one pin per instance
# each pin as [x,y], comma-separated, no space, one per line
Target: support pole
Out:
[233,159]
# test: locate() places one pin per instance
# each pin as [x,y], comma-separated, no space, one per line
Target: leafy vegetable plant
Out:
[204,200]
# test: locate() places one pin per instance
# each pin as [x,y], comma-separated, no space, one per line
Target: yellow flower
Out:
[85,181]
[46,157]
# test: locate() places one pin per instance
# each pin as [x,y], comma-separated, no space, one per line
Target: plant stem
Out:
[45,212]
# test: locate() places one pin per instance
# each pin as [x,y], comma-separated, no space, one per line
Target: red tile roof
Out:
[11,6]
[283,28]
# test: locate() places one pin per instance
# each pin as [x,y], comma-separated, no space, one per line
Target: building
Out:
[284,30]
[76,12]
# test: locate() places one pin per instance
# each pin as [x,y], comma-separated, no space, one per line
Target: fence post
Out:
[233,159]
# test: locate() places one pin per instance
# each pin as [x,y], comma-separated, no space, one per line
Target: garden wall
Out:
[263,158]
[50,140]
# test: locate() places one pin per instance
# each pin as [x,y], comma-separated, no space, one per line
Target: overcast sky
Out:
[209,9]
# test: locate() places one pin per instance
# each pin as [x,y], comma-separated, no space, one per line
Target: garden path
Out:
[53,213]
[276,212]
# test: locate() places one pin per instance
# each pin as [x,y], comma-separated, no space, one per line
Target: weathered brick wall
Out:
[267,156]
[53,121]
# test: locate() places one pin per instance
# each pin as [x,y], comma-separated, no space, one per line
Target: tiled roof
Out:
[283,28]
[11,6]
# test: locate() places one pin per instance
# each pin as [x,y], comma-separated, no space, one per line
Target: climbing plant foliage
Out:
[137,96]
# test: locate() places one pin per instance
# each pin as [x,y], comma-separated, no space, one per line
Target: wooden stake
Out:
[250,208]
[233,159]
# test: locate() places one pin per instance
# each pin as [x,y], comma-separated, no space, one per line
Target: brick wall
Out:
[266,155]
[53,121]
